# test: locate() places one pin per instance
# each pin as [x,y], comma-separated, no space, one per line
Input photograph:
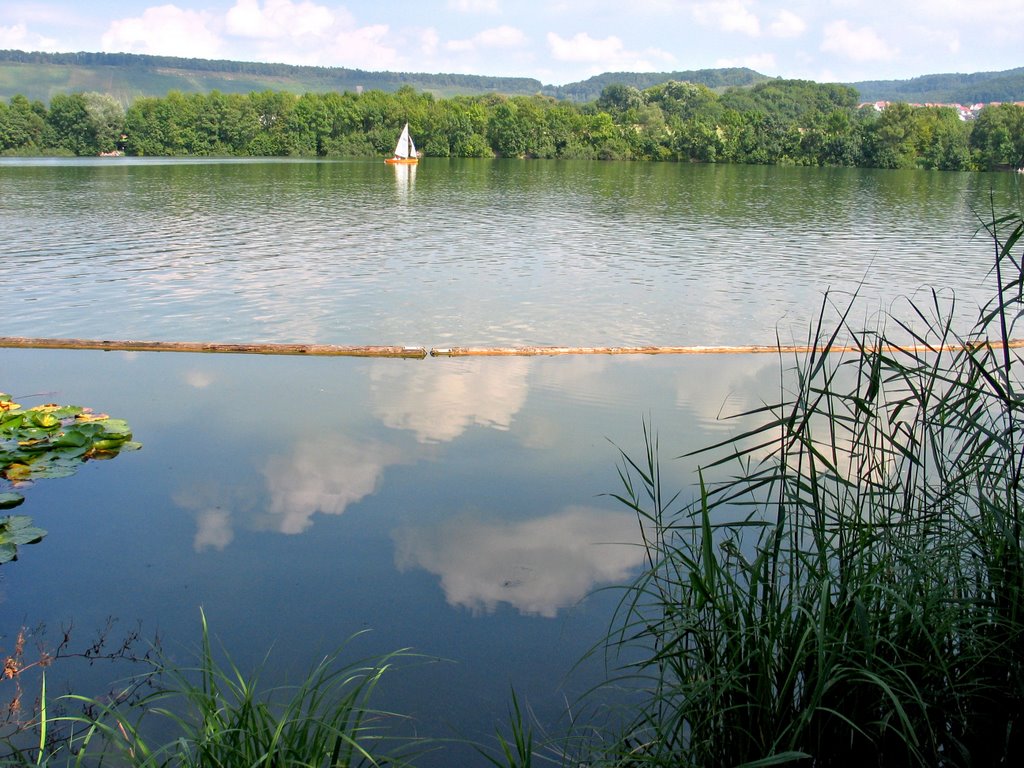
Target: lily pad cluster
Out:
[48,441]
[15,530]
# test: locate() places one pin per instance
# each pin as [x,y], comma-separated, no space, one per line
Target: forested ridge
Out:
[128,76]
[773,122]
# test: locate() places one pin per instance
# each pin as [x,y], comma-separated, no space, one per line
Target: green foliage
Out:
[998,136]
[890,139]
[48,441]
[16,530]
[222,716]
[68,126]
[21,126]
[517,750]
[852,594]
[105,118]
[774,121]
[590,89]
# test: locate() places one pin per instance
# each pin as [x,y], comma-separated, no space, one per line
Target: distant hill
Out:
[981,87]
[127,76]
[716,79]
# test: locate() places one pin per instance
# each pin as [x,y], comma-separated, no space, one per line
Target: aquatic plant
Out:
[16,530]
[853,592]
[48,441]
[214,714]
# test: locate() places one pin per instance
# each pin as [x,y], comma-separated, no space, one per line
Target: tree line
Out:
[774,122]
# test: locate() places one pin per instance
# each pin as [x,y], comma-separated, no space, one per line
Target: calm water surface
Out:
[454,506]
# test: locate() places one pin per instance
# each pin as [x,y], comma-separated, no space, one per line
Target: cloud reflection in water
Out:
[439,400]
[537,566]
[324,476]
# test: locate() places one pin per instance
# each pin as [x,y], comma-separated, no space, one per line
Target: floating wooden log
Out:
[311,350]
[696,350]
[335,350]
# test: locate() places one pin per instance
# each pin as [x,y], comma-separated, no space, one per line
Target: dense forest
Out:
[773,122]
[977,88]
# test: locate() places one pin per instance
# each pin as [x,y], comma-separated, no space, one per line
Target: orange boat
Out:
[405,150]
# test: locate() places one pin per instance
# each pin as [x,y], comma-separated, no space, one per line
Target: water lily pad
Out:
[10,500]
[45,442]
[114,427]
[16,530]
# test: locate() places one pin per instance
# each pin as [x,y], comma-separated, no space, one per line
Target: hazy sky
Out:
[555,41]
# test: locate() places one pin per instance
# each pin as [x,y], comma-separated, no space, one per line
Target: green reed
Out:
[852,593]
[219,717]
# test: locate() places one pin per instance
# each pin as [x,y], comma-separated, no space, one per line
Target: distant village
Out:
[965,113]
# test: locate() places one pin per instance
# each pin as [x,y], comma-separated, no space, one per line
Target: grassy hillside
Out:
[129,76]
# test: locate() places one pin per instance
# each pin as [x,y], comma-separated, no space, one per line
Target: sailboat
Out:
[405,150]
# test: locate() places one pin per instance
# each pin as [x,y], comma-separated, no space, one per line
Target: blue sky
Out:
[555,41]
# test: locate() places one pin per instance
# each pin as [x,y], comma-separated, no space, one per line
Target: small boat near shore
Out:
[405,150]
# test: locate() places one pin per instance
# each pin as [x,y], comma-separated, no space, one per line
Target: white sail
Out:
[405,148]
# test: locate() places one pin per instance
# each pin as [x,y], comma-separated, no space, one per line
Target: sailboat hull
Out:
[402,160]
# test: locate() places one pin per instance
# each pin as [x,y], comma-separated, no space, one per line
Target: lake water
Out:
[457,506]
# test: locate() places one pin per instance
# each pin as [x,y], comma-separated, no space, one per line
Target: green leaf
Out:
[10,500]
[8,552]
[15,530]
[116,427]
[42,419]
[55,469]
[18,529]
[71,437]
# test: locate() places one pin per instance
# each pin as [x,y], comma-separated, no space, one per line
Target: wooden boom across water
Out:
[701,350]
[336,350]
[312,350]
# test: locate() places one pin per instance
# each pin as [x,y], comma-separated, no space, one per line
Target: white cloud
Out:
[1010,11]
[364,48]
[498,37]
[728,15]
[277,18]
[18,37]
[860,44]
[538,566]
[582,47]
[606,54]
[787,24]
[474,6]
[429,41]
[165,30]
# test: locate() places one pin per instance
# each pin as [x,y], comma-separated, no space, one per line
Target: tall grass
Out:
[217,716]
[853,592]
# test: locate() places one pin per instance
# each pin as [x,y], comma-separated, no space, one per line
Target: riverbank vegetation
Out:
[773,122]
[853,594]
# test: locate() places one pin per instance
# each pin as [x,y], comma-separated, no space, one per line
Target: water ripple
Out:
[470,252]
